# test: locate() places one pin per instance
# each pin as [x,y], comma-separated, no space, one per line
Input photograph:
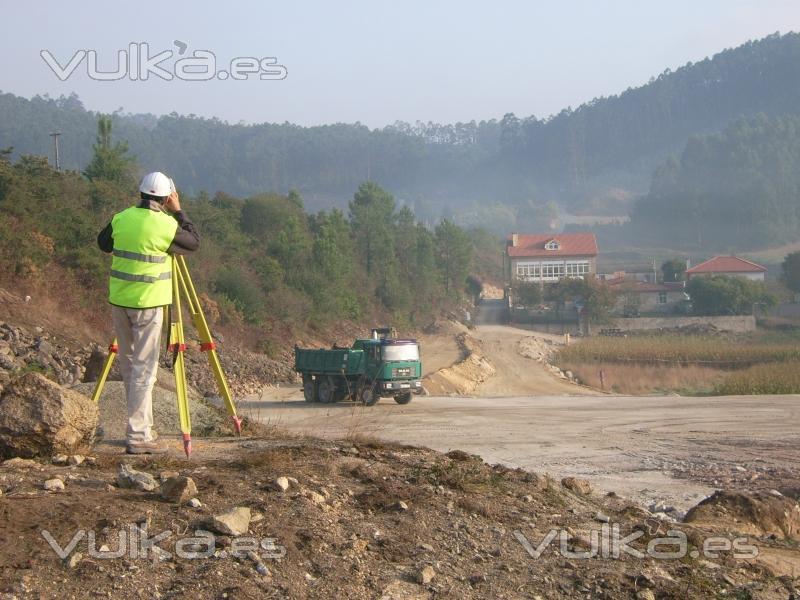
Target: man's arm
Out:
[105,240]
[186,239]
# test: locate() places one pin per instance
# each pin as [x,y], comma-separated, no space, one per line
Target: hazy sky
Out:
[377,62]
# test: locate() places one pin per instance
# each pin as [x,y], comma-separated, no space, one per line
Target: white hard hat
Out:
[157,184]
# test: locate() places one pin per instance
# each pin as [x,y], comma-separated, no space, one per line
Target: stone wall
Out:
[738,324]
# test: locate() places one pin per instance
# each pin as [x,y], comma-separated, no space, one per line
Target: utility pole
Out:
[55,135]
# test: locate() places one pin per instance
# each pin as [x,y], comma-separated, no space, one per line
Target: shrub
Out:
[776,378]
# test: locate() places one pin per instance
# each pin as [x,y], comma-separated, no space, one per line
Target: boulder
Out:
[40,418]
[755,513]
[577,486]
[135,480]
[178,489]
[236,521]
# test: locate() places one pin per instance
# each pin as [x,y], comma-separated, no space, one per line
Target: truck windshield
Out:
[401,352]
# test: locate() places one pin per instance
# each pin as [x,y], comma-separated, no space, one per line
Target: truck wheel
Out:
[309,389]
[403,398]
[368,397]
[326,390]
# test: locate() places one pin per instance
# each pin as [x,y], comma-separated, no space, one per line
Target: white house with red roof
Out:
[728,265]
[550,257]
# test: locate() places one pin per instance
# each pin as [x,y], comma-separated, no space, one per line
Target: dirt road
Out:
[517,375]
[634,446]
[670,449]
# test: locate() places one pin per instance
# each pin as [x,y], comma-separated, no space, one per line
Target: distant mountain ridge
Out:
[575,158]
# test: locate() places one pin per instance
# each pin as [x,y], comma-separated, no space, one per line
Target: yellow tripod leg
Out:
[113,348]
[206,340]
[178,347]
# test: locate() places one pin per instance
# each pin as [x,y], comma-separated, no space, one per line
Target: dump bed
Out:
[337,360]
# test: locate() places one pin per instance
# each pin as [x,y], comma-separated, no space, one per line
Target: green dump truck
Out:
[380,366]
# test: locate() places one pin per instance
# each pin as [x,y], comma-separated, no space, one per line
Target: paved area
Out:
[631,445]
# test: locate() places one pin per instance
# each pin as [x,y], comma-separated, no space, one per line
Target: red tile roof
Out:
[572,244]
[726,264]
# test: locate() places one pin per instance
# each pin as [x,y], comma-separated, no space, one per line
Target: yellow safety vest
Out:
[141,271]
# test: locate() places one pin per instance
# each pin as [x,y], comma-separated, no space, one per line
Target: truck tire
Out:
[309,389]
[326,390]
[403,398]
[367,396]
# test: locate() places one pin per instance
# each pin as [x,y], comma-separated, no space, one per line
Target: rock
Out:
[645,595]
[137,480]
[74,560]
[20,463]
[195,503]
[60,459]
[76,459]
[425,575]
[577,486]
[601,518]
[40,418]
[236,521]
[527,498]
[54,485]
[756,513]
[164,475]
[314,497]
[281,484]
[178,489]
[400,505]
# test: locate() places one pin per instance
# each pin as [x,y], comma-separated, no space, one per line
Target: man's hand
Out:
[173,203]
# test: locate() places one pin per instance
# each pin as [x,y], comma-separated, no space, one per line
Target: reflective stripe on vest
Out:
[141,270]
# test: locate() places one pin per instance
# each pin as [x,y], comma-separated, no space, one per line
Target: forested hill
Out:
[575,157]
[739,188]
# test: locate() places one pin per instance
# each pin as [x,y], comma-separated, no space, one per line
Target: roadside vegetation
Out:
[268,271]
[761,363]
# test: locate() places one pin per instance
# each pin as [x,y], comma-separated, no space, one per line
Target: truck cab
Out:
[382,365]
[393,364]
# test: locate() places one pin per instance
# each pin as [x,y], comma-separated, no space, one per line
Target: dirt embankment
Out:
[354,519]
[496,360]
[463,377]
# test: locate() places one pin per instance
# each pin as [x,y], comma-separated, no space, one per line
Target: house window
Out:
[552,245]
[577,268]
[553,270]
[662,297]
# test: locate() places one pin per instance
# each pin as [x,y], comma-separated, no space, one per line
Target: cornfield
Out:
[680,350]
[775,378]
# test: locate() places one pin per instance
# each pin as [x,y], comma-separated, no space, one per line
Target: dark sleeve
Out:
[186,239]
[105,240]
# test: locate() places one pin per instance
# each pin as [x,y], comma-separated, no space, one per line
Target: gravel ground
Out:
[206,419]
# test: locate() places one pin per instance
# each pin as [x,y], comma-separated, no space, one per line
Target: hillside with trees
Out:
[511,172]
[266,266]
[736,189]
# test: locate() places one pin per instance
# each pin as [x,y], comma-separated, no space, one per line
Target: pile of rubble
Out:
[69,362]
[21,349]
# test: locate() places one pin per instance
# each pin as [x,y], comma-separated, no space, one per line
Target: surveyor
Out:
[143,239]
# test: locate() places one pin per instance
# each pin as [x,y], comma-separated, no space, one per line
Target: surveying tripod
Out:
[182,283]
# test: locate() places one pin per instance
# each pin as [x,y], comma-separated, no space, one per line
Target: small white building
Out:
[732,266]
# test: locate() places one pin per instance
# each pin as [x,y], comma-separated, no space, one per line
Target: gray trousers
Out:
[138,335]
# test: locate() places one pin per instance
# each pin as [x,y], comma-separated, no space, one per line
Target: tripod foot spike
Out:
[187,444]
[237,425]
